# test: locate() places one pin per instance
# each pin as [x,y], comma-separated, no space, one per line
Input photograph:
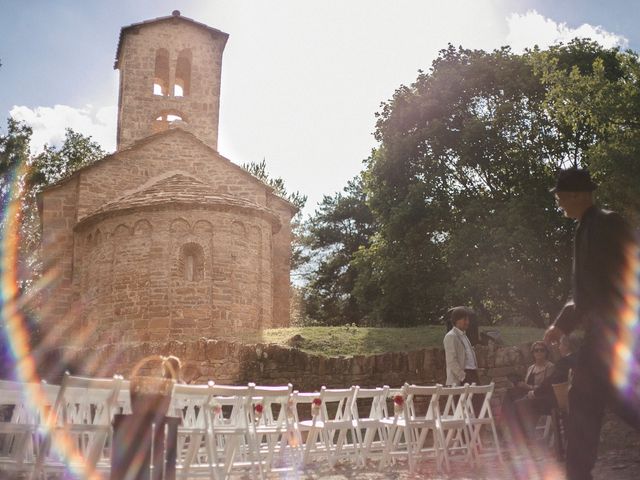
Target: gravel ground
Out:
[618,459]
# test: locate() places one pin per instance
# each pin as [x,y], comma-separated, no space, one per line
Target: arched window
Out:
[191,262]
[161,75]
[182,86]
[167,118]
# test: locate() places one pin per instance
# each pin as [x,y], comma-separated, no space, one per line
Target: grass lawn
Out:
[333,341]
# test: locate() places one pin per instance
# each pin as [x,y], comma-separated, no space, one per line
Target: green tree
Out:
[22,177]
[467,154]
[458,186]
[595,103]
[14,151]
[341,226]
[51,165]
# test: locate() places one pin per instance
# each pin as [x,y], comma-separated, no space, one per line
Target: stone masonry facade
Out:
[165,239]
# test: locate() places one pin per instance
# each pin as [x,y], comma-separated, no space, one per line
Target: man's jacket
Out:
[604,248]
[455,355]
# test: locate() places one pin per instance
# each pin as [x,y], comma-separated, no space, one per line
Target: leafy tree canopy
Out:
[458,187]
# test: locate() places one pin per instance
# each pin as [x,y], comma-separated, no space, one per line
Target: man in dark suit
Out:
[604,254]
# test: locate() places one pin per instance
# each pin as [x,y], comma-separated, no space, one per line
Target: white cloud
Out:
[531,28]
[49,124]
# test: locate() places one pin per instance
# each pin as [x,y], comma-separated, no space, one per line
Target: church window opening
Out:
[167,118]
[191,262]
[189,268]
[182,85]
[161,75]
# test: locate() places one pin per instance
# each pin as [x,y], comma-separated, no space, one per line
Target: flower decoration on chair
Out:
[315,406]
[398,404]
[258,409]
[216,408]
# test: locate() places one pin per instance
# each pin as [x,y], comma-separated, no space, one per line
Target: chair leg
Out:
[312,438]
[408,438]
[467,440]
[497,442]
[388,443]
[444,450]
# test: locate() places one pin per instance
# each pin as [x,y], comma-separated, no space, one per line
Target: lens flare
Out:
[17,331]
[625,368]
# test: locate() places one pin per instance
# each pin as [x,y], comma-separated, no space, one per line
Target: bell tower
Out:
[170,70]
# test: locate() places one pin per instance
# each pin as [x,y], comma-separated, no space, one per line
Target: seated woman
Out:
[541,370]
[542,399]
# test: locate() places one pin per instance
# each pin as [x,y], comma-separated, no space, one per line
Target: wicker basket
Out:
[150,395]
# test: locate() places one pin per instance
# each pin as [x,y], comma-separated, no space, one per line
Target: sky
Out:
[301,79]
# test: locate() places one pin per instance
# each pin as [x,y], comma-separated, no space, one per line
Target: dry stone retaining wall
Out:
[234,363]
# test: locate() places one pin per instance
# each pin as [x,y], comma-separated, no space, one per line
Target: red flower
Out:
[398,400]
[259,408]
[317,402]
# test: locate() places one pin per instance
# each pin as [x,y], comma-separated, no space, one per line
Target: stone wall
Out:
[261,289]
[233,363]
[175,150]
[131,276]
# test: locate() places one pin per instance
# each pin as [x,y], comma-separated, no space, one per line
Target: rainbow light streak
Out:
[625,368]
[17,333]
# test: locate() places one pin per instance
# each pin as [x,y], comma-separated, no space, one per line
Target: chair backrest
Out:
[87,404]
[421,398]
[14,405]
[337,404]
[12,401]
[271,404]
[190,402]
[455,406]
[300,405]
[20,418]
[373,400]
[123,402]
[484,391]
[230,405]
[86,401]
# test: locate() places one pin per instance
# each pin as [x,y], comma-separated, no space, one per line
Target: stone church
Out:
[166,239]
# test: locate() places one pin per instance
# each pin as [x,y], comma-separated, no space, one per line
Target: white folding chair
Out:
[370,431]
[300,408]
[78,428]
[408,429]
[273,425]
[331,430]
[544,429]
[233,436]
[452,421]
[483,418]
[19,422]
[195,450]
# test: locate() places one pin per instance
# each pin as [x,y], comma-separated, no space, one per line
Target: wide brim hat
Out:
[574,180]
